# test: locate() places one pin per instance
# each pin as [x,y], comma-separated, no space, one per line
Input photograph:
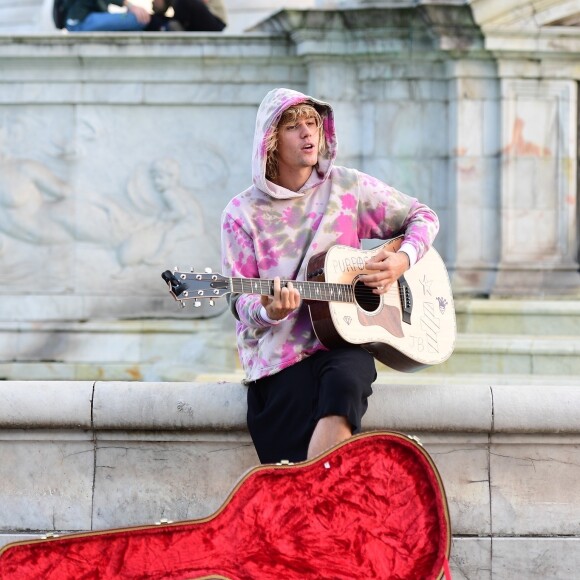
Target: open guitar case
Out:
[371,507]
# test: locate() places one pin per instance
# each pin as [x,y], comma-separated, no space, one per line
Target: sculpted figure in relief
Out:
[38,208]
[54,227]
[27,188]
[169,215]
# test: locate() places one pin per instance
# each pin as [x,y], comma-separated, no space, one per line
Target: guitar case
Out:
[371,507]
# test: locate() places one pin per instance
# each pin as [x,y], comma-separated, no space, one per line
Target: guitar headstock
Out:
[196,286]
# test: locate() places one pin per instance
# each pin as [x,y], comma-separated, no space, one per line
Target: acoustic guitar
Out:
[373,508]
[410,327]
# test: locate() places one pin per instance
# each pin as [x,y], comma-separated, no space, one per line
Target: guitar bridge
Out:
[406,299]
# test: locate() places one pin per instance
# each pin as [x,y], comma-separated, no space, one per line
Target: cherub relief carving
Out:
[27,189]
[169,213]
[47,224]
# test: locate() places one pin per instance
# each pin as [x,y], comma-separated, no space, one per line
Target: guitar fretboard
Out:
[324,291]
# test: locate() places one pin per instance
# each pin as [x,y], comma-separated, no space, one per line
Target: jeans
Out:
[106,22]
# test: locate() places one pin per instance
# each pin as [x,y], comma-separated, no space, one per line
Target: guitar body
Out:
[373,507]
[410,327]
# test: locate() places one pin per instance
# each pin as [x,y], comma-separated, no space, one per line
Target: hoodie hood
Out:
[269,114]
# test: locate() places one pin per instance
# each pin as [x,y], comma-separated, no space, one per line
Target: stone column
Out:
[538,187]
[535,44]
[473,169]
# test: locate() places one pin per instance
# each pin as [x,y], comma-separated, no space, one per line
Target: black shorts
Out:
[283,409]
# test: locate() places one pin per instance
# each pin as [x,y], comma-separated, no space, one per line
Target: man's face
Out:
[298,144]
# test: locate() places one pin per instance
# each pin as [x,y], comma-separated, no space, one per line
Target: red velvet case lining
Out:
[373,507]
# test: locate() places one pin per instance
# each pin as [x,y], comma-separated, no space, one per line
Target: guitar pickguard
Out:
[388,318]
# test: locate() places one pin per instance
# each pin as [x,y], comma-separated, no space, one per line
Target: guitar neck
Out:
[320,291]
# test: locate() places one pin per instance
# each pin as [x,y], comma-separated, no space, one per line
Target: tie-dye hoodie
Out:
[270,231]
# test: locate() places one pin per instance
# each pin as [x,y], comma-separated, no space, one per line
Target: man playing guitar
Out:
[303,398]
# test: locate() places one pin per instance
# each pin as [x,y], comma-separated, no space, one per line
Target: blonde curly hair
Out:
[290,116]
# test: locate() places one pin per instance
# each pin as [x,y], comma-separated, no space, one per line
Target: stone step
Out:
[511,354]
[474,354]
[537,317]
[388,377]
[544,340]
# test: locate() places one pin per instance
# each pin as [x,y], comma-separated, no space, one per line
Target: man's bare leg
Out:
[328,432]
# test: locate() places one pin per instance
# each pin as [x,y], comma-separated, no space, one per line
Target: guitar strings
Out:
[326,291]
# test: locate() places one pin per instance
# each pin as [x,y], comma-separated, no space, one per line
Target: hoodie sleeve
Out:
[385,213]
[238,260]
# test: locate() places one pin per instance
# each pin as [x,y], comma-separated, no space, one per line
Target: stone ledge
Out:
[220,406]
[45,404]
[100,44]
[158,406]
[536,409]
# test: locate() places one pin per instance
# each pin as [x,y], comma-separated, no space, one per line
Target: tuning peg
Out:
[207,270]
[192,269]
[176,268]
[197,303]
[182,303]
[211,302]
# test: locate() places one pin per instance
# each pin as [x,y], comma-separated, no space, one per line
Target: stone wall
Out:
[78,456]
[118,153]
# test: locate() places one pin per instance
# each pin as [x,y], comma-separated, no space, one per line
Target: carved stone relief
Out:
[106,222]
[30,193]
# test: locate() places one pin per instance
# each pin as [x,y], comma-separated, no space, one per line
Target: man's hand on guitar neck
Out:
[390,266]
[284,301]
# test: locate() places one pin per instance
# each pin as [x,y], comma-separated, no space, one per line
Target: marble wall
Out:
[79,456]
[118,153]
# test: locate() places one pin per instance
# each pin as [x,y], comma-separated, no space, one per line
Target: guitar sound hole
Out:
[365,298]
